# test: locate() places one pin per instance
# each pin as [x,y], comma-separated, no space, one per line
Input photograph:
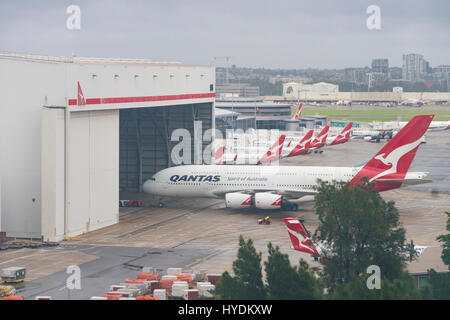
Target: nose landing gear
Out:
[161,204]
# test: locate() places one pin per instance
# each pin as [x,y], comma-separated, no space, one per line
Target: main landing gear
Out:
[289,206]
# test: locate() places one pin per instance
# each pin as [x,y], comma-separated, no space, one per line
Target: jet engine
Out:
[268,201]
[238,200]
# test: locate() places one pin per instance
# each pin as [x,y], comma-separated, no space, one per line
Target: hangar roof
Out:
[87,60]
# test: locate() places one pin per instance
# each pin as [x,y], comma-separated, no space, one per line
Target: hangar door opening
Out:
[145,139]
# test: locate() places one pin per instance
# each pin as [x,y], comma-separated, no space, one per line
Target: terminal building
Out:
[244,113]
[75,131]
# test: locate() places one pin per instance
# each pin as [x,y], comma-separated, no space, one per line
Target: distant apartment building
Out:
[415,67]
[379,73]
[356,75]
[442,72]
[442,69]
[380,66]
[395,73]
[239,89]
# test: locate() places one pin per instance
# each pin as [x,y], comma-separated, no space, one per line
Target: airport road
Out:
[202,234]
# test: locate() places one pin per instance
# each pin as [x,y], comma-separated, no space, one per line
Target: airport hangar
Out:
[63,159]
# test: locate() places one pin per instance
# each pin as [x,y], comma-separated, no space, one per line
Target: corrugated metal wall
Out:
[149,130]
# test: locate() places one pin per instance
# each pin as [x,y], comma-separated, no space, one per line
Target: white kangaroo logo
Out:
[393,158]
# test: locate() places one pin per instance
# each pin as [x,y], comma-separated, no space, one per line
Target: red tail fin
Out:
[279,142]
[81,101]
[395,158]
[219,154]
[300,238]
[274,152]
[298,114]
[344,135]
[321,137]
[306,140]
[303,145]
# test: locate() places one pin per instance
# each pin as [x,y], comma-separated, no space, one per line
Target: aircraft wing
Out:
[295,194]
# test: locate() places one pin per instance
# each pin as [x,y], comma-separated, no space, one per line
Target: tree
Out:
[289,283]
[445,240]
[401,288]
[440,283]
[247,282]
[359,229]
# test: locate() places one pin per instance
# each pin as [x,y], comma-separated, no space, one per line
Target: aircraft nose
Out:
[148,186]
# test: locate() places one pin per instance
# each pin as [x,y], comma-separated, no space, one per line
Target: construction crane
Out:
[227,58]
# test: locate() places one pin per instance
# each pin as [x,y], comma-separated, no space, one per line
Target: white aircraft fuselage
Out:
[212,181]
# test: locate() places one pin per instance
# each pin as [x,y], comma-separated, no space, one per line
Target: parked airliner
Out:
[275,187]
[302,241]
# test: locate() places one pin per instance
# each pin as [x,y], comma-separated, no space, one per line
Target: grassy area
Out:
[385,119]
[369,115]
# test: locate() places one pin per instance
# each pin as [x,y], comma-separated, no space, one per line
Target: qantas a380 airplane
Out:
[275,187]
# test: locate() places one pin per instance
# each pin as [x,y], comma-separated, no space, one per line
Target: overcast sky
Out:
[256,33]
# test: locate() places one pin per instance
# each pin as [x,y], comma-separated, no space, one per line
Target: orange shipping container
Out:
[166,284]
[146,298]
[135,280]
[148,276]
[13,298]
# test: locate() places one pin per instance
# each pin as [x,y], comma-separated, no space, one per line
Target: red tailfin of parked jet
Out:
[298,114]
[303,145]
[300,238]
[219,154]
[388,168]
[344,135]
[274,152]
[321,138]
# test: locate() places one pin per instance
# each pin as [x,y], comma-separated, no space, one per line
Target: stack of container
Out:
[160,294]
[205,288]
[116,287]
[152,285]
[191,294]
[179,287]
[185,277]
[135,288]
[111,296]
[166,282]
